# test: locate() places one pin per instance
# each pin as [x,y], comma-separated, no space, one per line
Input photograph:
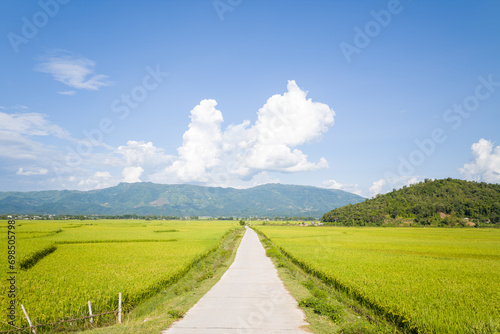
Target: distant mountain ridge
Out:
[180,200]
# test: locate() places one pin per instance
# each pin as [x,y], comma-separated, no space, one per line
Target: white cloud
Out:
[332,184]
[240,155]
[486,164]
[377,186]
[132,174]
[32,141]
[142,153]
[38,171]
[31,124]
[72,70]
[242,151]
[284,122]
[18,132]
[201,146]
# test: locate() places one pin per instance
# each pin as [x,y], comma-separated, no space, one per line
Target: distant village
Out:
[302,221]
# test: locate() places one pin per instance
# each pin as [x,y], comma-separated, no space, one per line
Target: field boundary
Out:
[400,320]
[36,257]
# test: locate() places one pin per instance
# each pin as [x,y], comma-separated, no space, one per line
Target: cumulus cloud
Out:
[72,70]
[332,184]
[284,122]
[132,174]
[38,171]
[201,147]
[486,163]
[242,151]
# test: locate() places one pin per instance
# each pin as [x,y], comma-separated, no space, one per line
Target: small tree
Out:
[242,222]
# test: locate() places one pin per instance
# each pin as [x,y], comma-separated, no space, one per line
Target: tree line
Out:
[446,202]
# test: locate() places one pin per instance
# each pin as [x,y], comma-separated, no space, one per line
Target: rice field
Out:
[63,264]
[426,280]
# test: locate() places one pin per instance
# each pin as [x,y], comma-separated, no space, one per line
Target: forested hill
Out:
[268,200]
[447,202]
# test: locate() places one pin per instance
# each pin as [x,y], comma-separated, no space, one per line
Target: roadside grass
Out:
[327,309]
[171,303]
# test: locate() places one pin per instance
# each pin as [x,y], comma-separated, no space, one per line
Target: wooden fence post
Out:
[90,312]
[120,308]
[28,318]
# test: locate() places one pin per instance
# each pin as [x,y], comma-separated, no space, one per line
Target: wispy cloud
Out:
[68,92]
[21,139]
[38,171]
[31,124]
[72,70]
[15,107]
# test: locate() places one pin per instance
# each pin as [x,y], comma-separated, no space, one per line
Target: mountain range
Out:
[269,200]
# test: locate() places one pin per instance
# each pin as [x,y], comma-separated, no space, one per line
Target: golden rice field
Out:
[63,264]
[426,280]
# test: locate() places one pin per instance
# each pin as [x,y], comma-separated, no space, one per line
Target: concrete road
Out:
[249,298]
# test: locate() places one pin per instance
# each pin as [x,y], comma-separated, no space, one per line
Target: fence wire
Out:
[35,326]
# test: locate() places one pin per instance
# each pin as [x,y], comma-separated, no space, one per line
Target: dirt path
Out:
[249,298]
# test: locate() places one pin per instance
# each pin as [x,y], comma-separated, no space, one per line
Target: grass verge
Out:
[171,303]
[327,309]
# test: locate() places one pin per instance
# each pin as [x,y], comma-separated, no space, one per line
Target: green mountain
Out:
[446,202]
[268,200]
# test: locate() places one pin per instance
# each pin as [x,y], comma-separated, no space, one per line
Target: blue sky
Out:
[364,96]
